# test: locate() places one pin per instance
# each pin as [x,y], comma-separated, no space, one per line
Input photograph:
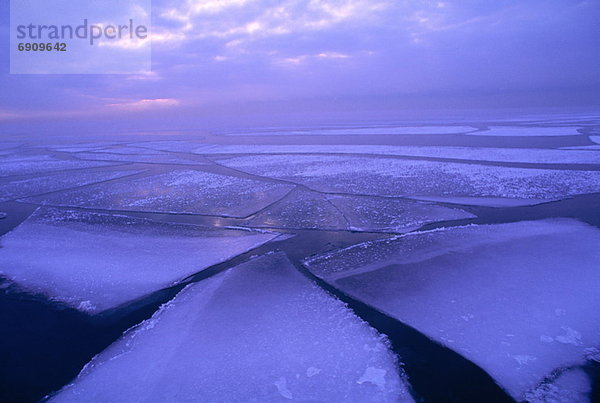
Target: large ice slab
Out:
[414,178]
[392,215]
[25,165]
[178,191]
[520,300]
[259,332]
[96,261]
[526,155]
[528,131]
[16,189]
[595,139]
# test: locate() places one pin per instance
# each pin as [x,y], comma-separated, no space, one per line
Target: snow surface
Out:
[96,261]
[528,131]
[413,178]
[526,155]
[178,191]
[363,131]
[259,332]
[519,300]
[20,188]
[25,165]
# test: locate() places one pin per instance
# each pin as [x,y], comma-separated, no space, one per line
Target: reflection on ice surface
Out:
[258,332]
[178,191]
[520,300]
[395,177]
[96,261]
[14,189]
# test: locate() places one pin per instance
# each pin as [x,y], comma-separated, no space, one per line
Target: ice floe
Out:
[528,131]
[302,210]
[417,178]
[25,165]
[162,158]
[519,300]
[178,191]
[258,332]
[392,215]
[20,188]
[525,155]
[95,262]
[168,145]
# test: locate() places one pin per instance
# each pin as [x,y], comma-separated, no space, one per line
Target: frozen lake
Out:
[384,262]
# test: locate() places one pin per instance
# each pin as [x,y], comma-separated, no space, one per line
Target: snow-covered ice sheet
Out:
[392,215]
[363,131]
[528,131]
[178,191]
[258,332]
[16,189]
[415,178]
[301,210]
[26,165]
[526,155]
[520,300]
[95,262]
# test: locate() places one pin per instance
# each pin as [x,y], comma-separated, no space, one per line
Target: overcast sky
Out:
[231,57]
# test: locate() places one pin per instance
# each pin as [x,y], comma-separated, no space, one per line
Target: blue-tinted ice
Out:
[95,262]
[520,300]
[258,332]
